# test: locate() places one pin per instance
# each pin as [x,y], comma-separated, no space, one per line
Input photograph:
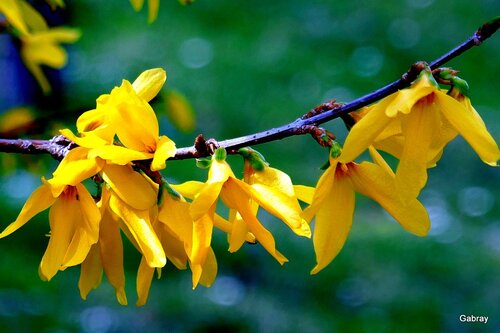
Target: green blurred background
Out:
[247,66]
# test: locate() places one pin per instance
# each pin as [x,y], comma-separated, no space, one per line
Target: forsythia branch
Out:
[58,146]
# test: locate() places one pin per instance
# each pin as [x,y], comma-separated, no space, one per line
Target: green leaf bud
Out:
[335,150]
[220,154]
[203,163]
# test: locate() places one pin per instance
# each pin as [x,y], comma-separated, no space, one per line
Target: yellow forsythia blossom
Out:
[41,48]
[333,204]
[415,124]
[88,233]
[11,9]
[126,113]
[239,196]
[40,45]
[74,225]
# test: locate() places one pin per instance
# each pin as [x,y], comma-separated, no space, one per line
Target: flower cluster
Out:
[119,147]
[40,44]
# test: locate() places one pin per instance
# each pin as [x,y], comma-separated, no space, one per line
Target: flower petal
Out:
[144,277]
[39,200]
[111,247]
[304,193]
[238,232]
[372,181]
[322,191]
[165,148]
[76,167]
[12,12]
[119,155]
[280,205]
[237,199]
[141,230]
[149,83]
[472,128]
[333,222]
[405,99]
[62,216]
[364,132]
[130,186]
[91,272]
[419,128]
[209,269]
[189,189]
[206,199]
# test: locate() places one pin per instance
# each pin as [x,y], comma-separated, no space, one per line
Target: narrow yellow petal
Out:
[209,270]
[91,272]
[372,181]
[165,148]
[472,128]
[61,231]
[141,231]
[87,140]
[333,223]
[226,226]
[405,99]
[76,167]
[85,218]
[379,160]
[33,18]
[219,171]
[90,212]
[174,247]
[237,199]
[419,128]
[111,247]
[36,71]
[136,122]
[144,277]
[206,199]
[202,237]
[364,132]
[118,154]
[304,193]
[280,205]
[238,233]
[130,186]
[189,189]
[10,9]
[322,191]
[39,200]
[149,83]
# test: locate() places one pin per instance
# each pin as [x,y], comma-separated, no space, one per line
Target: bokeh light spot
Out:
[196,52]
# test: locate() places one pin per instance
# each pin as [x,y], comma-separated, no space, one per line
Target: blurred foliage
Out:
[248,66]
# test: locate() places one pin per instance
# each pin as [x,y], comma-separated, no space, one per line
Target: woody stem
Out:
[57,147]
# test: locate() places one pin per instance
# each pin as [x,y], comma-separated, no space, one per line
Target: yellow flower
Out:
[274,185]
[419,121]
[126,113]
[12,11]
[39,43]
[74,225]
[42,48]
[174,227]
[153,6]
[132,196]
[106,255]
[239,196]
[333,204]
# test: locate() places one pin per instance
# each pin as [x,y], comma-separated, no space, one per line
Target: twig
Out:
[58,146]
